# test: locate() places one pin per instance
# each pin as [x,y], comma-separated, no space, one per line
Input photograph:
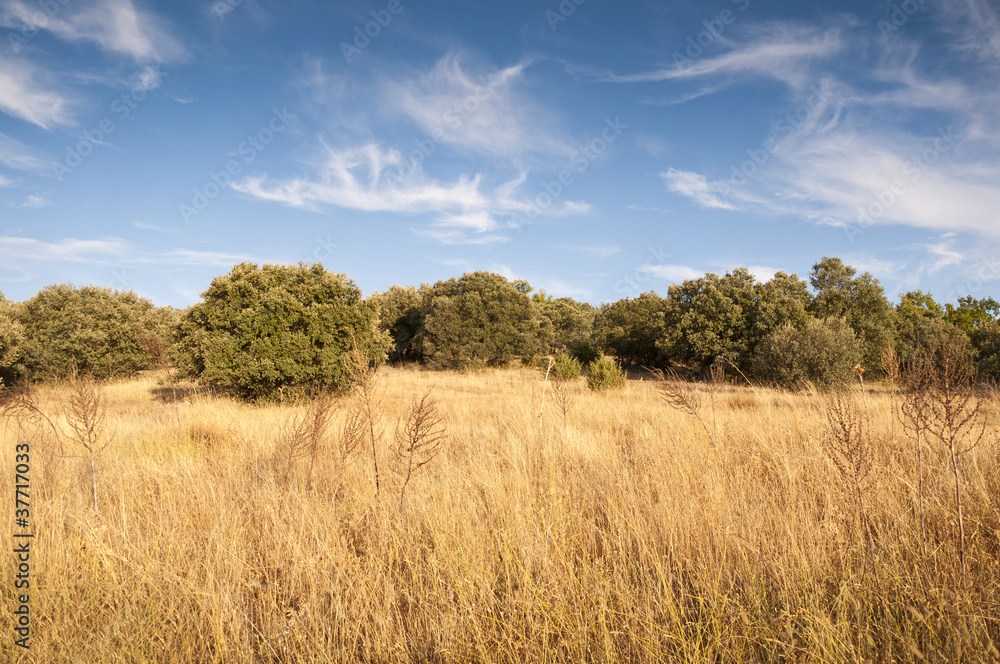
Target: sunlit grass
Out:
[621,537]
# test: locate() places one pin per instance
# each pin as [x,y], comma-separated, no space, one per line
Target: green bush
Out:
[96,331]
[479,315]
[531,361]
[605,374]
[11,338]
[584,351]
[265,331]
[566,367]
[823,353]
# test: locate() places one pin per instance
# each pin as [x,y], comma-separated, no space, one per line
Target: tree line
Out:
[262,331]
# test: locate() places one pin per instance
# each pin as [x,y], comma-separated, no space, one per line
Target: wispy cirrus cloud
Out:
[366,178]
[18,156]
[852,162]
[476,108]
[107,251]
[781,50]
[26,93]
[117,26]
[697,188]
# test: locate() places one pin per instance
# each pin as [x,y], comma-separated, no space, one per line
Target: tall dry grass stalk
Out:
[853,455]
[956,414]
[418,441]
[680,395]
[86,415]
[362,373]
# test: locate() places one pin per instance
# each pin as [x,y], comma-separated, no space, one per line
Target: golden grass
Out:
[619,537]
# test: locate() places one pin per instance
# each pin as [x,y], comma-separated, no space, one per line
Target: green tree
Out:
[572,322]
[783,300]
[824,352]
[11,338]
[971,313]
[98,331]
[860,301]
[985,340]
[710,317]
[262,330]
[629,328]
[479,317]
[918,320]
[401,316]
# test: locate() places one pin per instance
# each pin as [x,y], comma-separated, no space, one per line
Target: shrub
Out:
[605,374]
[11,337]
[480,315]
[531,361]
[824,353]
[262,331]
[584,351]
[95,331]
[566,367]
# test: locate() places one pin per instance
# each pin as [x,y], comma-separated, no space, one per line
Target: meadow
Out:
[598,527]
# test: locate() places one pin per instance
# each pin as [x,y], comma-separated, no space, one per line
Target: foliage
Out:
[605,374]
[479,316]
[708,318]
[860,301]
[572,322]
[985,340]
[629,328]
[11,338]
[918,320]
[585,351]
[971,313]
[823,353]
[401,316]
[96,331]
[262,330]
[566,367]
[782,300]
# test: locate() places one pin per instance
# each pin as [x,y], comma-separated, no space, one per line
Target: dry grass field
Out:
[612,532]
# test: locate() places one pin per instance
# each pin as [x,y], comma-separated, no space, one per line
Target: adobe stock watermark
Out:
[714,27]
[631,285]
[456,116]
[913,169]
[566,9]
[223,7]
[325,248]
[783,130]
[47,10]
[122,108]
[899,15]
[372,29]
[254,144]
[579,161]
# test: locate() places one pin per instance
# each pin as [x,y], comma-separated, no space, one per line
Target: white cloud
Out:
[697,188]
[117,26]
[672,273]
[33,201]
[369,178]
[488,113]
[29,249]
[24,94]
[781,50]
[116,251]
[18,156]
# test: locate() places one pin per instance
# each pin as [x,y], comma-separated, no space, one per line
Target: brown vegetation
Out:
[625,539]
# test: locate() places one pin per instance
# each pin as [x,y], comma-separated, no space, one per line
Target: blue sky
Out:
[596,149]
